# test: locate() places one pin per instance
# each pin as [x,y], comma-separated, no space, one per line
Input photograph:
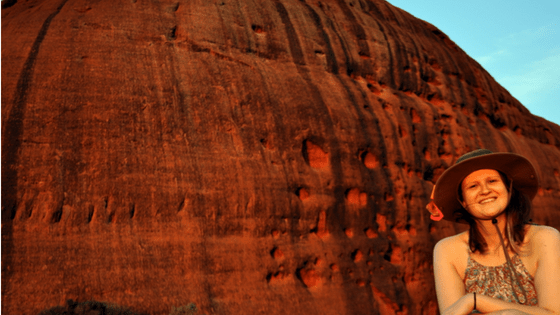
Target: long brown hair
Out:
[518,214]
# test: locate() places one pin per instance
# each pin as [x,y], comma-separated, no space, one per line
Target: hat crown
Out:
[473,154]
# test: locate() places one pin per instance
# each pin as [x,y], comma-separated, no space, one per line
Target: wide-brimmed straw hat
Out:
[445,194]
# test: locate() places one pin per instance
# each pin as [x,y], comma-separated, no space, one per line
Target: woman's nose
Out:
[485,189]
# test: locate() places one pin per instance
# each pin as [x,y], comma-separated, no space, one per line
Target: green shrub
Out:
[189,309]
[102,308]
[88,307]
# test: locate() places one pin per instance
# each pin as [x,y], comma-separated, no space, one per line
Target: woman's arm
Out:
[507,312]
[547,279]
[450,289]
[488,305]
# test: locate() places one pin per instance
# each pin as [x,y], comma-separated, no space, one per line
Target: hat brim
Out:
[516,167]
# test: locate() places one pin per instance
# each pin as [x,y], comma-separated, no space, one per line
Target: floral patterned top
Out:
[497,281]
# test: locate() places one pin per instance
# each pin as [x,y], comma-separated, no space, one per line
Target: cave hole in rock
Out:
[57,215]
[314,155]
[91,212]
[257,28]
[369,160]
[357,255]
[302,193]
[276,253]
[132,210]
[387,255]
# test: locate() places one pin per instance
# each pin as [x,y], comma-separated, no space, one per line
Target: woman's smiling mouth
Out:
[488,200]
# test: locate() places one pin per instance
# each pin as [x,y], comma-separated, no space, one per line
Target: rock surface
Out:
[252,157]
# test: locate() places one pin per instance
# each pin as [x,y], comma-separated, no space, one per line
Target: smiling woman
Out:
[484,194]
[503,263]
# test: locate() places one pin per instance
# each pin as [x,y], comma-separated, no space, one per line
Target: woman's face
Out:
[485,195]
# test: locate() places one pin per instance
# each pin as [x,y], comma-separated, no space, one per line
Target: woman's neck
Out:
[490,234]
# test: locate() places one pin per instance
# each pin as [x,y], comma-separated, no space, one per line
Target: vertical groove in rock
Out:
[292,37]
[12,130]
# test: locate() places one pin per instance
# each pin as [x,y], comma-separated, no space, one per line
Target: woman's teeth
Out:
[487,200]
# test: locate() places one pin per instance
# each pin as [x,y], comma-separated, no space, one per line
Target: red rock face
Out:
[248,156]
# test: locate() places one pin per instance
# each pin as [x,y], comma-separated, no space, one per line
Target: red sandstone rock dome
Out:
[247,156]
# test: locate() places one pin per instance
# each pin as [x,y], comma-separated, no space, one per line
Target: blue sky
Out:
[516,41]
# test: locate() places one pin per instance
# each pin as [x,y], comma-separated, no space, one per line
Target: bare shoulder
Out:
[451,246]
[543,233]
[545,238]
